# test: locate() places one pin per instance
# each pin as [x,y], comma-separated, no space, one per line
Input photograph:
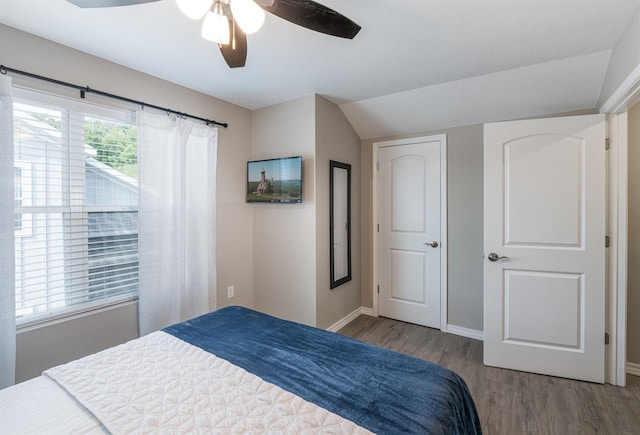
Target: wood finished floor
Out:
[511,402]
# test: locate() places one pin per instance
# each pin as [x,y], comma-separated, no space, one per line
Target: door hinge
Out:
[607,144]
[378,289]
[607,242]
[378,227]
[606,338]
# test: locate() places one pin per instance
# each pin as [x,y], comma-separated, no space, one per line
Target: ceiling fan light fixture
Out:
[216,25]
[248,15]
[194,9]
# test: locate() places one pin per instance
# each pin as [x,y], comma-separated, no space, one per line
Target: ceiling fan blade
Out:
[312,15]
[235,56]
[107,3]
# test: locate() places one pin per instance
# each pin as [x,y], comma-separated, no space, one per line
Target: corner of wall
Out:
[335,140]
[625,57]
[284,236]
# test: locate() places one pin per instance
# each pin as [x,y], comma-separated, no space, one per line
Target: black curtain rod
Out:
[86,89]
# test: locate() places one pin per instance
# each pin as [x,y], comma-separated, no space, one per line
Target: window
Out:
[22,183]
[17,220]
[76,206]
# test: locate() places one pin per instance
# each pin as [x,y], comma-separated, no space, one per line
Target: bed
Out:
[236,370]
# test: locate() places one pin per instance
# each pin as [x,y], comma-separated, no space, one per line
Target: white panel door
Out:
[409,232]
[544,225]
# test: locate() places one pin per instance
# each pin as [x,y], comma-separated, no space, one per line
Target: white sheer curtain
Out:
[7,243]
[176,219]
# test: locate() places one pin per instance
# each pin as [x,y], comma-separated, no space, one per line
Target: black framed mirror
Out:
[340,222]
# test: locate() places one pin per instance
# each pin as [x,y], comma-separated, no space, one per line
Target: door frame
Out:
[617,228]
[442,138]
[616,107]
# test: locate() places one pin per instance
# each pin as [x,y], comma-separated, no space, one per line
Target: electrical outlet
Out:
[231,291]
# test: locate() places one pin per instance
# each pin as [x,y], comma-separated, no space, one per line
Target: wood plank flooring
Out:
[511,402]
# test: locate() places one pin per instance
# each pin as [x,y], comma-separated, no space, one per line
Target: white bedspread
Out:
[160,384]
[40,407]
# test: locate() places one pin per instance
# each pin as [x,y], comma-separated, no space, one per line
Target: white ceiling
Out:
[416,65]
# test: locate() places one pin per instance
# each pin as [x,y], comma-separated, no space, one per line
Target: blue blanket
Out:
[378,389]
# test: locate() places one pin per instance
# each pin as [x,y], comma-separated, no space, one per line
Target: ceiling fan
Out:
[227,22]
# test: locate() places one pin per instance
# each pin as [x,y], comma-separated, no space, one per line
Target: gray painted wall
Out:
[464,224]
[284,236]
[465,227]
[335,140]
[633,260]
[40,348]
[290,242]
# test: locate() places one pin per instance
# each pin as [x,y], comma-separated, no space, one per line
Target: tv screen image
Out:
[275,180]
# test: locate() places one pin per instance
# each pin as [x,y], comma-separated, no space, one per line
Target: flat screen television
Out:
[275,180]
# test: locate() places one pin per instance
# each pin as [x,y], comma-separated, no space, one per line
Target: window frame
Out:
[86,109]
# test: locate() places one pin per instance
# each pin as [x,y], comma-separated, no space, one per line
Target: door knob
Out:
[433,244]
[495,257]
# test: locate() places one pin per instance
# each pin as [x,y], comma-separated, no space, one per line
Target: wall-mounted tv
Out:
[275,180]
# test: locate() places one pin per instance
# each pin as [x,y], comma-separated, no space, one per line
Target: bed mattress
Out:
[240,371]
[41,406]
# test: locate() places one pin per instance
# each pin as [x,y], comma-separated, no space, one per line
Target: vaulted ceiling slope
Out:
[416,65]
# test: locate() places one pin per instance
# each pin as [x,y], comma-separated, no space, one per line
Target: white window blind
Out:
[76,226]
[17,220]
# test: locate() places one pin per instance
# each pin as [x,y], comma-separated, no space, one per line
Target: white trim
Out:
[374,223]
[444,241]
[120,112]
[633,369]
[346,320]
[623,97]
[618,103]
[76,315]
[367,311]
[611,253]
[617,254]
[442,138]
[465,332]
[619,293]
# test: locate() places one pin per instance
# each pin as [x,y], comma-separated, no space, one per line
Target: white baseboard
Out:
[367,311]
[345,320]
[465,332]
[633,369]
[349,318]
[451,329]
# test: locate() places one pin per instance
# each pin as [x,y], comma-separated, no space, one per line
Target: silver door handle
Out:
[433,244]
[495,257]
